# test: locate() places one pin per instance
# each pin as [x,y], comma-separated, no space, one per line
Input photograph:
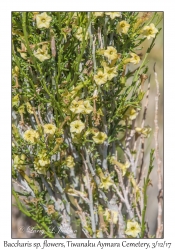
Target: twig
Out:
[141,172]
[35,115]
[159,174]
[125,193]
[128,154]
[93,54]
[99,38]
[130,135]
[24,183]
[145,198]
[118,193]
[58,186]
[19,185]
[111,226]
[39,115]
[121,223]
[90,200]
[138,213]
[142,141]
[58,205]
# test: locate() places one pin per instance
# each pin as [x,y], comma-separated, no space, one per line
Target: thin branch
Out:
[159,163]
[125,193]
[142,140]
[91,207]
[39,115]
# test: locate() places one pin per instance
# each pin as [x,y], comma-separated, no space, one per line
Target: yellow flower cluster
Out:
[111,72]
[15,71]
[70,162]
[81,106]
[123,167]
[111,216]
[79,34]
[19,162]
[15,101]
[111,14]
[31,136]
[98,14]
[136,189]
[41,163]
[144,131]
[21,109]
[76,89]
[29,108]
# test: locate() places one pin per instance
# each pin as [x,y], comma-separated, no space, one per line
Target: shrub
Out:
[78,147]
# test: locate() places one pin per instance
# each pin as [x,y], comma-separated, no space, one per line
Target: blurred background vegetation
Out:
[20,222]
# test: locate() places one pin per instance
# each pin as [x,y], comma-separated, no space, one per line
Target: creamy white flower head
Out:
[77,107]
[43,20]
[41,163]
[111,53]
[29,108]
[70,162]
[100,78]
[135,59]
[149,31]
[41,54]
[98,14]
[49,129]
[99,137]
[123,27]
[76,138]
[87,107]
[122,166]
[40,169]
[30,135]
[15,71]
[144,131]
[15,100]
[79,34]
[111,215]
[19,162]
[106,182]
[76,126]
[113,14]
[111,72]
[131,113]
[133,228]
[36,135]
